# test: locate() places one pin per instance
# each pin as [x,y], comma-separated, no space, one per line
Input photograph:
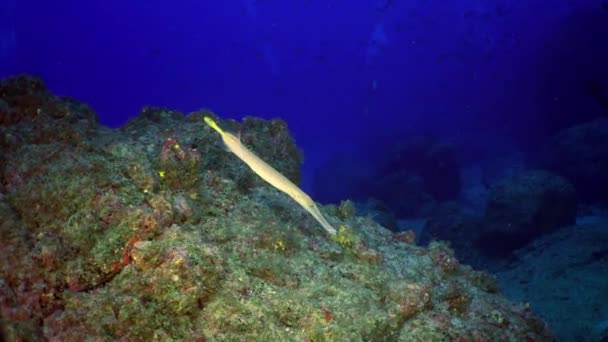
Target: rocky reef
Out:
[154,232]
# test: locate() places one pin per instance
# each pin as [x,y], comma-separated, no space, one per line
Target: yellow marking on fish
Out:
[270,175]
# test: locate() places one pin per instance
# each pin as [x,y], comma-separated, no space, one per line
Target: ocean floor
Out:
[564,276]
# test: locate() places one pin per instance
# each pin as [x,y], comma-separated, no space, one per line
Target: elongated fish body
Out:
[270,175]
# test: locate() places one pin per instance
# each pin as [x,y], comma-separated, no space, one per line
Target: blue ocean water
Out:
[471,117]
[344,75]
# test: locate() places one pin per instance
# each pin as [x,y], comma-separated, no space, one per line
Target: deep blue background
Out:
[347,76]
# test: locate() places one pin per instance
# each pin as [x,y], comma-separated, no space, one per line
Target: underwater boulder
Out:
[416,175]
[410,178]
[436,164]
[379,212]
[524,206]
[402,191]
[449,222]
[580,153]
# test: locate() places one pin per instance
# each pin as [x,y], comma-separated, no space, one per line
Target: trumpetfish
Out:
[270,175]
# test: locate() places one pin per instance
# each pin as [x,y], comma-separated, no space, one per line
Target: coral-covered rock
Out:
[154,232]
[524,206]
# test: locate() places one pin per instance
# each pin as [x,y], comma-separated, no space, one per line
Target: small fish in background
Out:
[594,88]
